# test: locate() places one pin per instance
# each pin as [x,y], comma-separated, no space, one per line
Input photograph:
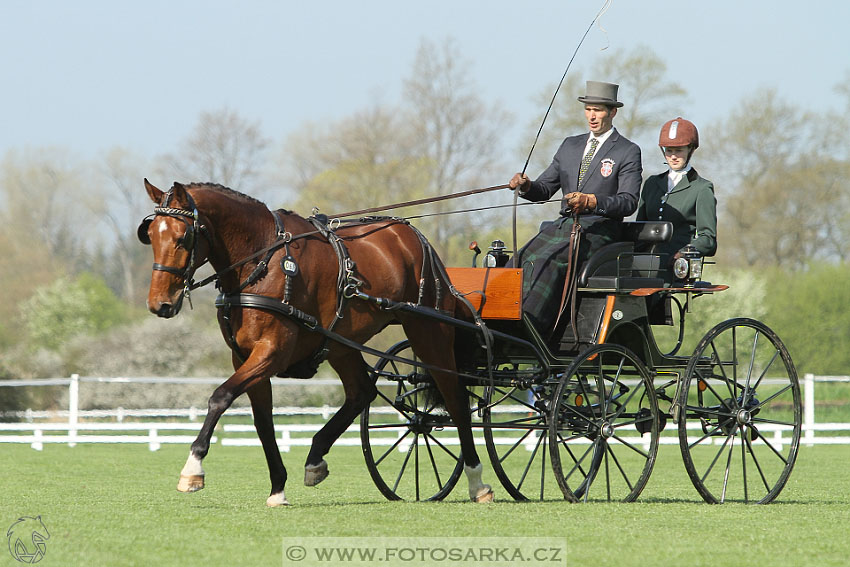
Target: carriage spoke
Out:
[530,462]
[763,374]
[719,398]
[772,421]
[392,448]
[581,384]
[433,463]
[448,451]
[637,450]
[577,462]
[622,470]
[416,466]
[518,443]
[722,366]
[770,446]
[744,464]
[543,470]
[750,369]
[728,466]
[757,464]
[404,465]
[613,384]
[774,396]
[708,434]
[714,460]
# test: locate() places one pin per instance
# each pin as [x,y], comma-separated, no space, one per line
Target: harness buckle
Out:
[351,289]
[187,292]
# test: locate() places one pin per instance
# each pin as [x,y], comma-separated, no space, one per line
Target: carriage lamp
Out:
[473,246]
[496,256]
[688,266]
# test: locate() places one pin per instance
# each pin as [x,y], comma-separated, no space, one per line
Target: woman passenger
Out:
[681,196]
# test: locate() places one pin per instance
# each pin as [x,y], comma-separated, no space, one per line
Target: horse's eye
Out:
[186,241]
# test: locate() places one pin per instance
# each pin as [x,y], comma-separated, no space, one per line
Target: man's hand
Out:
[520,180]
[581,202]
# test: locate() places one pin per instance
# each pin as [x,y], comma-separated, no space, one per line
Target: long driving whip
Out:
[604,8]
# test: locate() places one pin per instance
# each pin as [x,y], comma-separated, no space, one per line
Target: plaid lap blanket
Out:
[544,263]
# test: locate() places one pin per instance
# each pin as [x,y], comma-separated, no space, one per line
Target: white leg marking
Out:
[478,491]
[277,500]
[192,466]
[192,475]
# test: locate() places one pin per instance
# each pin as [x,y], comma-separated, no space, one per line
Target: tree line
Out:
[70,261]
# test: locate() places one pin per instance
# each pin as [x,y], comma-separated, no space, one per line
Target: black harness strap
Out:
[255,301]
[262,267]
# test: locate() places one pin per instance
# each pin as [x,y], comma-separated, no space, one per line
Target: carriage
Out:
[579,416]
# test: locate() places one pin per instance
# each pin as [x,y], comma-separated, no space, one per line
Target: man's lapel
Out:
[601,153]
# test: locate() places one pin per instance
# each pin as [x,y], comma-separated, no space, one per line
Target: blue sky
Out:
[93,74]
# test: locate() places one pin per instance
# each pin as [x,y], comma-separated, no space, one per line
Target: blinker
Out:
[142,231]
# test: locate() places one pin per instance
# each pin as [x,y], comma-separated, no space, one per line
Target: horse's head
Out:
[174,232]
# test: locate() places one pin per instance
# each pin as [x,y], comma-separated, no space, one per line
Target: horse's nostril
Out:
[165,310]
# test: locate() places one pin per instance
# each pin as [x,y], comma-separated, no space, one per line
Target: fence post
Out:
[285,440]
[73,409]
[153,442]
[809,408]
[36,439]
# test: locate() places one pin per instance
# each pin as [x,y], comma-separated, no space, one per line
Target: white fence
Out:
[37,428]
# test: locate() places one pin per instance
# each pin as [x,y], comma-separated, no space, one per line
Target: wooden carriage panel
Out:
[502,288]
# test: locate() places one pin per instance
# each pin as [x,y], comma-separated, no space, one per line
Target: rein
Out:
[420,201]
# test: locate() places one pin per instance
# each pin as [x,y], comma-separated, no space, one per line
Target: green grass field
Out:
[117,505]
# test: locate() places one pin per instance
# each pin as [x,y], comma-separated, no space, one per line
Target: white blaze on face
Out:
[163,226]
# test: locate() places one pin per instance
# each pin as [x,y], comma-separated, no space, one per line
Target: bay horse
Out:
[281,258]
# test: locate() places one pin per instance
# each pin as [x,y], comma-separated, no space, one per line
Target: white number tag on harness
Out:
[289,266]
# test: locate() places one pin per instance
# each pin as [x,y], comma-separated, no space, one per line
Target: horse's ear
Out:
[154,193]
[179,192]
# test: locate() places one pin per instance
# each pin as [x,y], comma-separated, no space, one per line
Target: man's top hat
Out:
[601,93]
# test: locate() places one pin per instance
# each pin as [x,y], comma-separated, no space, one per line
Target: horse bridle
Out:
[188,241]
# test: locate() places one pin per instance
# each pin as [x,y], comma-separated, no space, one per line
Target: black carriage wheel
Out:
[604,426]
[516,435]
[409,442]
[740,414]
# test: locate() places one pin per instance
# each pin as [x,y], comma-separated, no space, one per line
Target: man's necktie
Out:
[588,157]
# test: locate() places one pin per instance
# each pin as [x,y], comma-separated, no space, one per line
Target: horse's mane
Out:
[225,190]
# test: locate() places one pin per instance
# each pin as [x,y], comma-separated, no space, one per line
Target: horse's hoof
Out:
[190,483]
[486,495]
[314,474]
[276,500]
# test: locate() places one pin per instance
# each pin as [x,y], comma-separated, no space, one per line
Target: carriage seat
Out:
[631,263]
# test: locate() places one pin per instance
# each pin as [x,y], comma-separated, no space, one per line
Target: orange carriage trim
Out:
[647,291]
[502,288]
